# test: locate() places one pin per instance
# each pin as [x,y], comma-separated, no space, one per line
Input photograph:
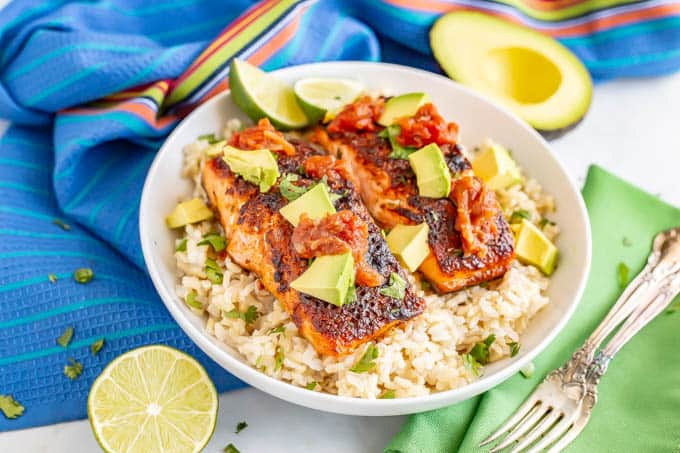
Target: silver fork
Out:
[558,410]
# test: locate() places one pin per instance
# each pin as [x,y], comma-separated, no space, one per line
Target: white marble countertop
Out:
[632,129]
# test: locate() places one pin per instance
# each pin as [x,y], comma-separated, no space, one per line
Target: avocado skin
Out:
[557,133]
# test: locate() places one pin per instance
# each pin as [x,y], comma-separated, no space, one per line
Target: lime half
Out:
[153,399]
[318,96]
[261,95]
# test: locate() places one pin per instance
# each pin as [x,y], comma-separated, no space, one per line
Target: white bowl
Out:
[478,119]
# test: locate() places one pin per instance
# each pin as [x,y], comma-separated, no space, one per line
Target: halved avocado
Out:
[529,72]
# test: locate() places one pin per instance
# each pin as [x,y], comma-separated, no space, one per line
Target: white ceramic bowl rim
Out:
[324,401]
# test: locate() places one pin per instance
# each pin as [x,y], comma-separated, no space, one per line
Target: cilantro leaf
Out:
[514,348]
[191,300]
[249,316]
[311,386]
[387,395]
[64,226]
[367,361]
[240,427]
[216,241]
[65,337]
[398,151]
[520,214]
[210,138]
[279,358]
[396,287]
[231,449]
[97,346]
[544,221]
[622,273]
[471,364]
[182,246]
[213,272]
[289,190]
[10,407]
[274,330]
[480,351]
[73,369]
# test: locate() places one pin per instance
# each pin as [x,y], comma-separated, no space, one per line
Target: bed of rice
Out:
[422,356]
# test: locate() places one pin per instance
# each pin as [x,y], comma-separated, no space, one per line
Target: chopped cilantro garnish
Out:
[216,241]
[520,214]
[279,329]
[626,242]
[65,337]
[622,273]
[514,348]
[73,369]
[191,300]
[289,190]
[480,351]
[64,226]
[83,275]
[398,151]
[674,308]
[249,316]
[240,427]
[182,246]
[544,221]
[387,395]
[425,285]
[10,407]
[367,361]
[210,138]
[311,385]
[97,346]
[231,449]
[471,364]
[213,272]
[52,278]
[395,288]
[278,358]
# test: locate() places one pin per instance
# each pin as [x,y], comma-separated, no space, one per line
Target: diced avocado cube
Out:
[328,278]
[316,203]
[496,168]
[409,243]
[187,212]
[533,247]
[432,174]
[256,166]
[402,106]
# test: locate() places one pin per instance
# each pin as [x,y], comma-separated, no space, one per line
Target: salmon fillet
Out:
[260,240]
[388,188]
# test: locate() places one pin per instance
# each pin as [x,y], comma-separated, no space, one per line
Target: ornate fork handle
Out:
[641,301]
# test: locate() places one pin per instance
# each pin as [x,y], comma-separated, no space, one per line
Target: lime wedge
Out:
[261,95]
[153,399]
[318,96]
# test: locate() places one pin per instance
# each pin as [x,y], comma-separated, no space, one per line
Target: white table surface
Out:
[632,129]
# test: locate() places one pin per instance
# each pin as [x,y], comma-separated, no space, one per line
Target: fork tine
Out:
[524,426]
[519,414]
[543,427]
[569,436]
[558,430]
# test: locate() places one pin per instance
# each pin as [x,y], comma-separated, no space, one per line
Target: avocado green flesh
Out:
[496,168]
[433,176]
[402,106]
[187,212]
[410,244]
[534,248]
[255,166]
[328,278]
[316,203]
[529,72]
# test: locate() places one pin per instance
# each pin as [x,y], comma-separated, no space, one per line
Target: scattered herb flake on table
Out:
[626,242]
[61,224]
[231,449]
[240,427]
[396,287]
[83,275]
[622,273]
[52,278]
[367,361]
[10,407]
[65,337]
[528,370]
[97,346]
[73,369]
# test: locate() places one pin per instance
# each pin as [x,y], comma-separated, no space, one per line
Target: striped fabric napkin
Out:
[93,88]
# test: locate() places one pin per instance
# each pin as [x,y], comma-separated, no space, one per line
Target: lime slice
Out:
[261,95]
[153,399]
[318,96]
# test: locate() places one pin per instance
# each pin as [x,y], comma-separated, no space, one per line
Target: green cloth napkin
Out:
[639,396]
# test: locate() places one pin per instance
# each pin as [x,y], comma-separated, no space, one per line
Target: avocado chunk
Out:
[316,203]
[532,247]
[328,278]
[529,72]
[409,243]
[215,149]
[402,106]
[432,174]
[495,167]
[256,166]
[187,212]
